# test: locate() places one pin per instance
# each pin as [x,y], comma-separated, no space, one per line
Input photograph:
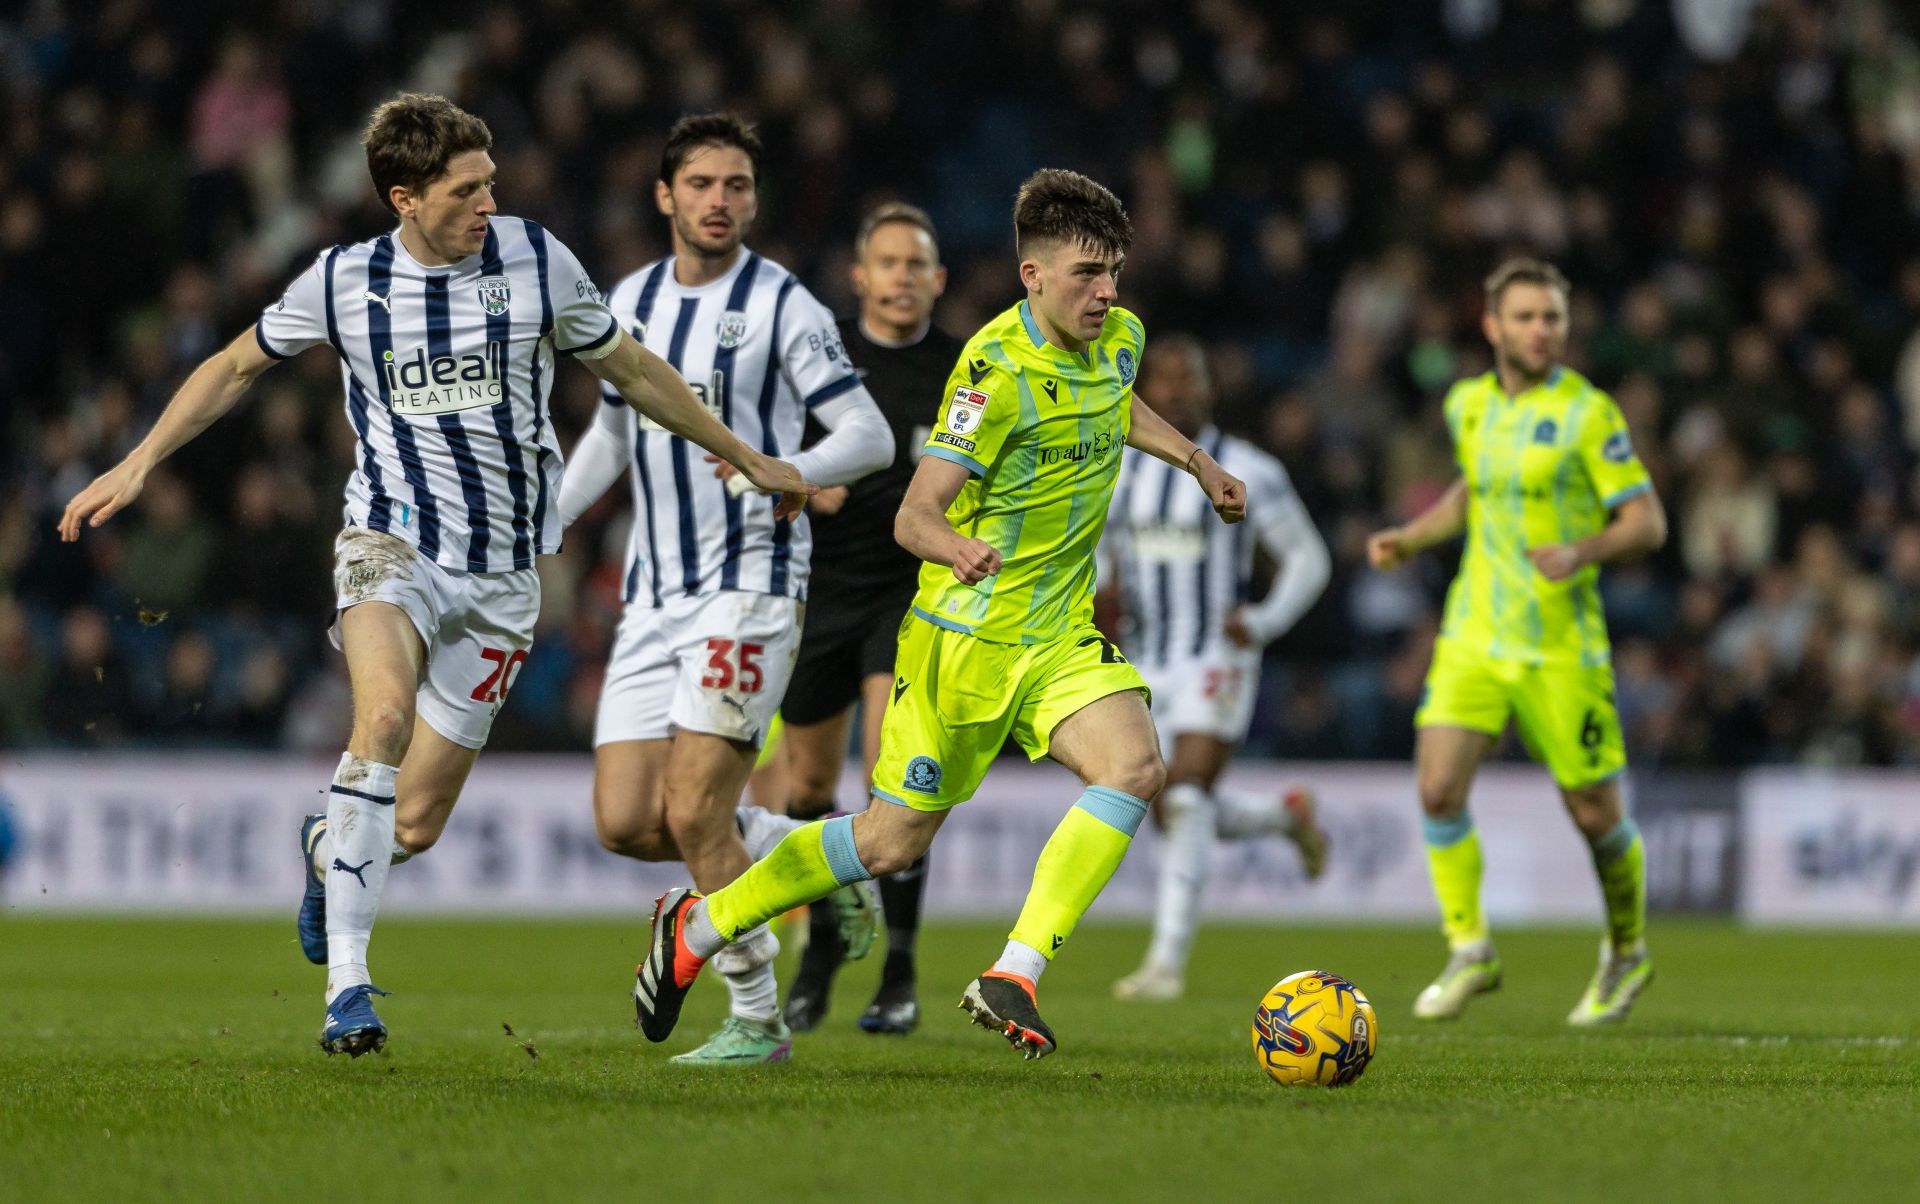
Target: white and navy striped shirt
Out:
[1183,570]
[447,373]
[760,352]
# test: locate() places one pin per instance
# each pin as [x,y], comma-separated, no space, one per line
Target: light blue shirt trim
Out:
[1033,328]
[958,457]
[937,621]
[1626,495]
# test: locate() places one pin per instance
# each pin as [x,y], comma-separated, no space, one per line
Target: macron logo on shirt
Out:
[444,384]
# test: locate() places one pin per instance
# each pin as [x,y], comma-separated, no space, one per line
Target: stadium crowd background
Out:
[1733,185]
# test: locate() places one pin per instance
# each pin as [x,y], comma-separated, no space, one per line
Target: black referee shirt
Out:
[854,551]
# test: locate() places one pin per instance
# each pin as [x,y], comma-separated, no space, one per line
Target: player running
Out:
[446,329]
[1197,640]
[863,582]
[714,585]
[1550,489]
[1006,509]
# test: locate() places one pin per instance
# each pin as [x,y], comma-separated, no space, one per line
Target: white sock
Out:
[747,966]
[1241,818]
[323,852]
[761,829]
[1183,875]
[1022,960]
[360,829]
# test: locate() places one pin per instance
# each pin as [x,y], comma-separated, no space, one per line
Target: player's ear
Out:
[1490,326]
[858,274]
[940,280]
[1030,275]
[663,197]
[401,198]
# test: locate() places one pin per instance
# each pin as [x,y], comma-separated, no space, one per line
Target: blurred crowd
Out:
[1733,185]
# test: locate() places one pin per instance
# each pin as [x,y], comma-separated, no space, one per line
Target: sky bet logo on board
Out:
[444,384]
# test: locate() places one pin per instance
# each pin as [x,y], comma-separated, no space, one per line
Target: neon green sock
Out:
[1080,857]
[810,863]
[1620,858]
[1453,855]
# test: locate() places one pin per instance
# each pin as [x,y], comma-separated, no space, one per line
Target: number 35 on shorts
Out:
[734,665]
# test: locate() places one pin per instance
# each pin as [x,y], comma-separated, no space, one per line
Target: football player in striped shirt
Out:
[1196,638]
[1549,490]
[716,579]
[447,328]
[1005,510]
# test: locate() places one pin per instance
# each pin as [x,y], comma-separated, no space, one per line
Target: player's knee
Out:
[1143,776]
[695,821]
[639,839]
[1441,795]
[384,729]
[810,799]
[1596,811]
[891,852]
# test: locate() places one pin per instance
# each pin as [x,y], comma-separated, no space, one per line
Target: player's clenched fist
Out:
[1387,550]
[1227,492]
[975,561]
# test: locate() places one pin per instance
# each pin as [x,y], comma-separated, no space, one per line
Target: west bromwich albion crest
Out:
[1123,360]
[494,295]
[732,328]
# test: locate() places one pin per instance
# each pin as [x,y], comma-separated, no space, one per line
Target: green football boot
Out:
[1622,975]
[742,1043]
[1471,970]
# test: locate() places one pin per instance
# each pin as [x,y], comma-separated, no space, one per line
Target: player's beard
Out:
[704,244]
[1533,369]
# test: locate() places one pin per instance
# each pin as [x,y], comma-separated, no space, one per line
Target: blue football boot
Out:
[312,920]
[352,1028]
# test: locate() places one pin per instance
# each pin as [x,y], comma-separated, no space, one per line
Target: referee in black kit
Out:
[861,586]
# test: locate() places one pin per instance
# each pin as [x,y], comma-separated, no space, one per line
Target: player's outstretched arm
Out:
[1305,566]
[1638,526]
[213,388]
[1155,436]
[595,462]
[651,386]
[921,525]
[1445,519]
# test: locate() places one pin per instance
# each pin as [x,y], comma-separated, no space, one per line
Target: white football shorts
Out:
[717,663]
[477,627]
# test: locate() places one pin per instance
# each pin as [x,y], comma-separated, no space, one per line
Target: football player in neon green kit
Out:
[1005,509]
[1550,489]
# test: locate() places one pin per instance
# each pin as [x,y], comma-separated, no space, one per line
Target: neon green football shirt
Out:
[1543,468]
[1042,430]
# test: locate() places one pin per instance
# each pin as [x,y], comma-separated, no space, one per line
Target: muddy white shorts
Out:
[477,627]
[1208,695]
[717,663]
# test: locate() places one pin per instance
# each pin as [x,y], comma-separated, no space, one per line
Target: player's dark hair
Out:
[889,213]
[708,129]
[411,139]
[1064,206]
[1522,270]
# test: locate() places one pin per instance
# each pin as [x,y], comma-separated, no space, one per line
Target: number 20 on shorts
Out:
[506,665]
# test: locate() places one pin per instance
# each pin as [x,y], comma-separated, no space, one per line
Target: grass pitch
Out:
[155,1059]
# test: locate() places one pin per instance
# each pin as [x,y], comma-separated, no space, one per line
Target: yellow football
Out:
[1314,1029]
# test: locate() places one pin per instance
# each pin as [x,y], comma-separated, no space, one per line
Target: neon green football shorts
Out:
[956,699]
[1565,712]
